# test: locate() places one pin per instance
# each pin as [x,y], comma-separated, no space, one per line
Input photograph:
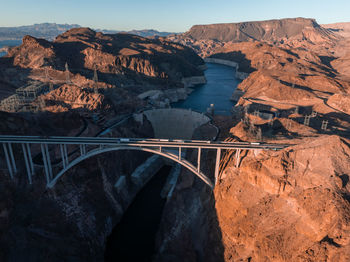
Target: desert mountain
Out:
[290,32]
[143,33]
[271,30]
[84,49]
[130,63]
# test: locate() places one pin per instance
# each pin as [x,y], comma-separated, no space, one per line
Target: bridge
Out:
[62,153]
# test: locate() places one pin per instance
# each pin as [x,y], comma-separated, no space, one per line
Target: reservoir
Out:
[4,43]
[221,82]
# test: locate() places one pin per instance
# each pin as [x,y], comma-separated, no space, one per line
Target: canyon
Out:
[287,205]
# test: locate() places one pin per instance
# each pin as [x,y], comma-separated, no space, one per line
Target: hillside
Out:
[126,65]
[271,30]
[339,28]
[290,33]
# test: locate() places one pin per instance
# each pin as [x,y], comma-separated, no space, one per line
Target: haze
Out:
[166,15]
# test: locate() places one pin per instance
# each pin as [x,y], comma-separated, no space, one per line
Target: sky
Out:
[166,15]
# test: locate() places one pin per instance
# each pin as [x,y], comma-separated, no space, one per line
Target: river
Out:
[9,43]
[221,82]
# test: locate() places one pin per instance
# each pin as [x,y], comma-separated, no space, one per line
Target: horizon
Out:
[116,29]
[166,16]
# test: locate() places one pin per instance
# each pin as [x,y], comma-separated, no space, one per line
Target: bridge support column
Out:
[238,155]
[199,159]
[82,150]
[180,153]
[47,162]
[9,166]
[30,158]
[12,158]
[63,156]
[217,164]
[26,161]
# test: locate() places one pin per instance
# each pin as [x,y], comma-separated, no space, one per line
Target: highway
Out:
[140,142]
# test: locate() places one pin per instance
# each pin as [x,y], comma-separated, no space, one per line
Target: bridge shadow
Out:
[191,212]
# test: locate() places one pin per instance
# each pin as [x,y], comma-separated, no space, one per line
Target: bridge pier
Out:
[199,159]
[30,158]
[64,156]
[82,149]
[47,162]
[26,161]
[217,164]
[238,155]
[9,166]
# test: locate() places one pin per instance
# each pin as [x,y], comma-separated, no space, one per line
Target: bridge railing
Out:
[64,152]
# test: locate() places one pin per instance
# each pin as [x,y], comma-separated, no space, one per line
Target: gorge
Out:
[290,83]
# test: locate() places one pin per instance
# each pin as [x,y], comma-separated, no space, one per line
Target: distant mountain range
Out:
[49,31]
[143,33]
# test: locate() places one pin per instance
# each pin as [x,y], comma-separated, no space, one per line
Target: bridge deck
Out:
[169,148]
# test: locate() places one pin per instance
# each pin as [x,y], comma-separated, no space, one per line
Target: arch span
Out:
[167,154]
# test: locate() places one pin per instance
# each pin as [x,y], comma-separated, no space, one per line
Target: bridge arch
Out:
[98,151]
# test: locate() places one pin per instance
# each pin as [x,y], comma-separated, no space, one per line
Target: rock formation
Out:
[125,65]
[291,205]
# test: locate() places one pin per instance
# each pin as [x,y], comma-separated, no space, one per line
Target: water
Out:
[9,43]
[221,82]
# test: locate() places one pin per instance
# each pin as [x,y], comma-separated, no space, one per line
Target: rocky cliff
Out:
[120,66]
[270,31]
[287,206]
[294,32]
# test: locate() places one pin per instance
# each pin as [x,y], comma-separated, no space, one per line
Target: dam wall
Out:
[175,123]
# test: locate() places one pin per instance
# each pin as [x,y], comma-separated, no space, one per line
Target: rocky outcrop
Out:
[119,59]
[340,102]
[287,206]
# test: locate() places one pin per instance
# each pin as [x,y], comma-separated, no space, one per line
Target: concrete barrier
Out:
[175,123]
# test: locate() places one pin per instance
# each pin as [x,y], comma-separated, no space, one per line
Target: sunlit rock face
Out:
[287,206]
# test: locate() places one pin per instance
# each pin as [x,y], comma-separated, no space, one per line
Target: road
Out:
[139,142]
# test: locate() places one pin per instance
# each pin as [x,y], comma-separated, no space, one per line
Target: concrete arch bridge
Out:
[73,150]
